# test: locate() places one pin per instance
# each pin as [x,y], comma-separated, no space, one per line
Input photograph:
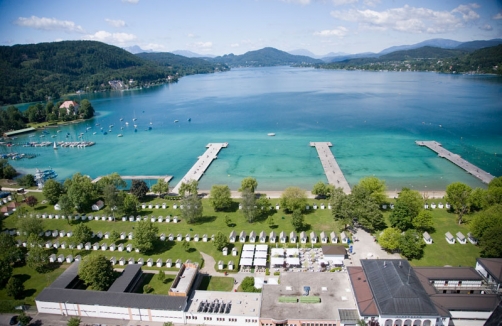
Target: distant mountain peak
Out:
[190,54]
[135,49]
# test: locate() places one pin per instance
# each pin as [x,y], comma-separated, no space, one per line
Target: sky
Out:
[220,27]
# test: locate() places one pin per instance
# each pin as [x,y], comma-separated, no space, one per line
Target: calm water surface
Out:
[371,118]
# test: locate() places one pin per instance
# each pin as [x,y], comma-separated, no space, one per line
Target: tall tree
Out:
[81,191]
[293,198]
[375,187]
[145,235]
[112,198]
[74,321]
[248,204]
[485,220]
[27,180]
[113,179]
[248,183]
[82,233]
[191,187]
[411,245]
[491,242]
[29,225]
[66,205]
[96,271]
[31,201]
[320,189]
[37,258]
[423,221]
[220,197]
[139,188]
[220,241]
[365,209]
[9,251]
[478,199]
[5,272]
[408,205]
[52,190]
[297,220]
[340,208]
[192,208]
[389,239]
[458,195]
[161,187]
[15,287]
[130,204]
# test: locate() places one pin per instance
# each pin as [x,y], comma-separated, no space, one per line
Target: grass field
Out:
[216,283]
[159,287]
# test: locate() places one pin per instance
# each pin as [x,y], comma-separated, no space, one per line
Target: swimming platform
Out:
[166,178]
[457,160]
[331,168]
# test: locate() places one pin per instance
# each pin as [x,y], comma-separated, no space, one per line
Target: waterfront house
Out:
[71,107]
[98,205]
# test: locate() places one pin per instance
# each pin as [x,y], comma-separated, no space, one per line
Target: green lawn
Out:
[159,287]
[217,283]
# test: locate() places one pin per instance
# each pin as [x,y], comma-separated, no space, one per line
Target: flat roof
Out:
[185,280]
[492,266]
[70,274]
[124,280]
[242,303]
[449,273]
[333,288]
[338,250]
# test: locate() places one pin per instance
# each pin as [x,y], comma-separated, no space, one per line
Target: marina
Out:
[457,160]
[333,172]
[198,169]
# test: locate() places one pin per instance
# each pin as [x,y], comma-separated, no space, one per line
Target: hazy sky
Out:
[237,26]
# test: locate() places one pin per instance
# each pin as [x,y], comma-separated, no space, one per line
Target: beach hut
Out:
[303,237]
[433,205]
[263,237]
[120,247]
[61,258]
[121,261]
[277,207]
[283,237]
[107,235]
[150,206]
[129,247]
[384,206]
[51,216]
[447,206]
[391,206]
[252,237]
[234,251]
[225,251]
[122,235]
[187,237]
[62,233]
[100,235]
[124,219]
[196,238]
[104,246]
[461,238]
[472,239]
[78,258]
[333,237]
[44,215]
[159,262]
[449,238]
[162,237]
[113,260]
[232,236]
[69,259]
[175,206]
[88,246]
[220,265]
[178,263]
[138,218]
[130,235]
[293,237]
[111,218]
[69,234]
[427,238]
[153,219]
[440,205]
[344,238]
[169,263]
[55,244]
[329,206]
[168,218]
[157,206]
[170,237]
[240,206]
[272,237]
[175,219]
[204,238]
[242,236]
[231,265]
[149,262]
[48,233]
[98,205]
[131,218]
[140,261]
[313,237]
[314,206]
[63,245]
[160,219]
[52,258]
[143,206]
[179,237]
[131,261]
[112,247]
[164,206]
[55,234]
[71,245]
[307,207]
[80,246]
[324,238]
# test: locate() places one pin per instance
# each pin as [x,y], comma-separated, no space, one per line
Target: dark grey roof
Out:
[396,289]
[348,316]
[113,299]
[122,283]
[492,266]
[67,277]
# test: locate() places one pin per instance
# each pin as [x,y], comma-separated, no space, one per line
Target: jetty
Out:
[198,169]
[457,160]
[333,172]
[166,178]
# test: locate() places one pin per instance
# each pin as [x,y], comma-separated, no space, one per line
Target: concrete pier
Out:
[333,172]
[166,178]
[456,159]
[198,169]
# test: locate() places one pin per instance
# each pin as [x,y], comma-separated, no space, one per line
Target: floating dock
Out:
[166,178]
[196,172]
[333,172]
[456,159]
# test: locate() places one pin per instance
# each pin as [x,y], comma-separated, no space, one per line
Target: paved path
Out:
[166,178]
[331,168]
[367,248]
[457,160]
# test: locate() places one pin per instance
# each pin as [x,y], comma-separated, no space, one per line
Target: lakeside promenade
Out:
[166,178]
[457,160]
[198,169]
[333,172]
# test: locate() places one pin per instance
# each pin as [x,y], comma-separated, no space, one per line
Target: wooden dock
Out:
[166,178]
[198,169]
[456,159]
[333,172]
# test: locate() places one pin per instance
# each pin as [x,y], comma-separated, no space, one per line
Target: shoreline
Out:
[275,194]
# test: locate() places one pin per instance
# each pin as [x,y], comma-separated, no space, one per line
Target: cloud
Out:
[410,19]
[192,35]
[131,1]
[107,37]
[343,2]
[49,24]
[116,23]
[234,45]
[497,16]
[302,2]
[202,46]
[486,27]
[371,3]
[340,31]
[154,47]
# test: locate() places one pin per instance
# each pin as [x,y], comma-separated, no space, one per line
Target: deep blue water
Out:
[371,118]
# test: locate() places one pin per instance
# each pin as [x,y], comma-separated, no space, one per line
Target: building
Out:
[184,280]
[491,270]
[334,254]
[70,106]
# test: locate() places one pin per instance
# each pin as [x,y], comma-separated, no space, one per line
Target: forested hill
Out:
[36,72]
[264,57]
[177,63]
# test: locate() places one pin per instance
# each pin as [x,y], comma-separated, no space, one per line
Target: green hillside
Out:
[180,64]
[263,58]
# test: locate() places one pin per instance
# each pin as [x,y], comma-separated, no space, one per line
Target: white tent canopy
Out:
[274,261]
[247,254]
[248,247]
[260,262]
[262,247]
[292,252]
[277,252]
[293,261]
[260,254]
[246,262]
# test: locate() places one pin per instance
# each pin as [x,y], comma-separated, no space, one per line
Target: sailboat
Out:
[55,146]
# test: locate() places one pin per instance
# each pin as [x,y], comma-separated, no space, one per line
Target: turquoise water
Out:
[371,118]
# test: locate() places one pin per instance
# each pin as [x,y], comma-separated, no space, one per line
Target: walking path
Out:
[166,178]
[456,159]
[333,172]
[366,248]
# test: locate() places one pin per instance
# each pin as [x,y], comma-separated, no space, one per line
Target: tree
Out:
[24,319]
[52,190]
[161,187]
[495,183]
[161,276]
[82,233]
[27,180]
[493,196]
[145,235]
[220,197]
[191,187]
[363,208]
[9,251]
[485,220]
[5,272]
[220,241]
[130,204]
[192,208]
[297,220]
[247,285]
[81,192]
[228,220]
[375,187]
[271,221]
[139,188]
[389,239]
[411,245]
[37,258]
[9,172]
[85,110]
[15,287]
[478,199]
[29,225]
[408,205]
[114,236]
[112,198]
[96,271]
[248,204]
[186,245]
[340,207]
[491,242]
[31,201]
[74,321]
[248,183]
[113,179]
[293,198]
[423,221]
[320,189]
[66,205]
[458,195]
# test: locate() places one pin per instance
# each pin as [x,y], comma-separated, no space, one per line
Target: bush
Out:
[277,273]
[147,289]
[267,271]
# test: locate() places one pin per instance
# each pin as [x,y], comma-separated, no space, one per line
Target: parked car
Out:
[13,320]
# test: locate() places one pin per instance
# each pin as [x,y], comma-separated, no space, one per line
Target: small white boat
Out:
[121,119]
[175,121]
[53,136]
[134,119]
[135,126]
[59,131]
[271,134]
[119,135]
[89,128]
[55,146]
[94,133]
